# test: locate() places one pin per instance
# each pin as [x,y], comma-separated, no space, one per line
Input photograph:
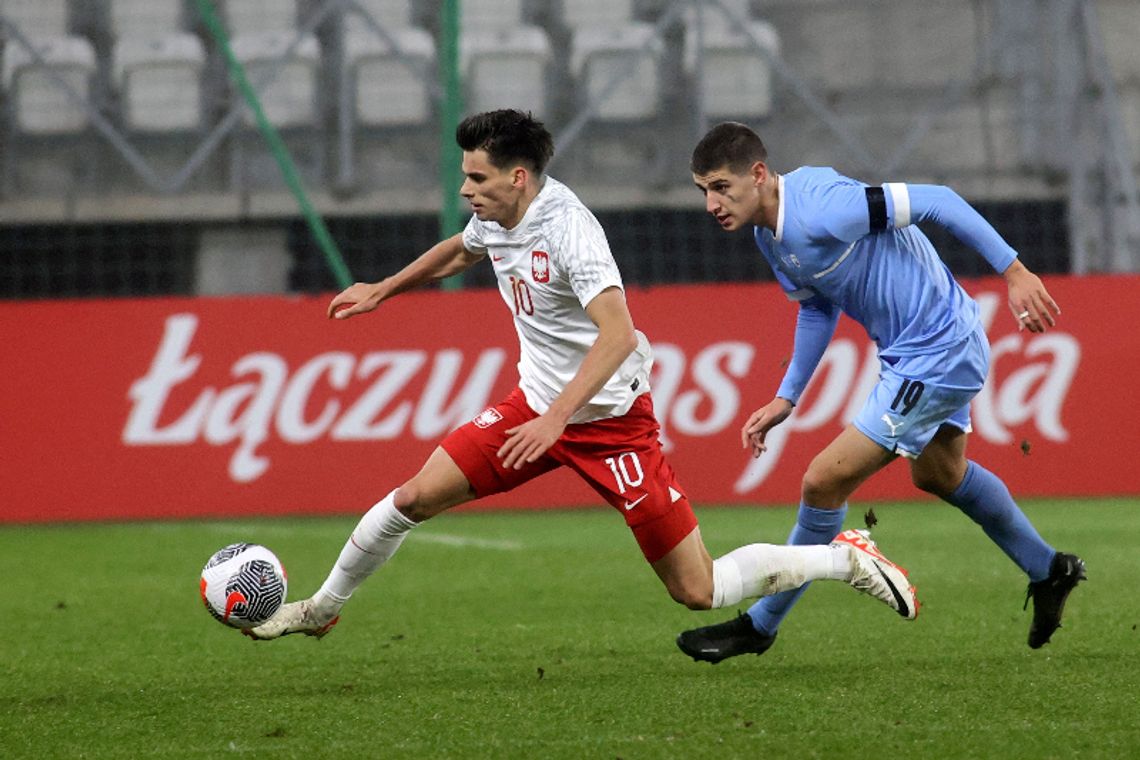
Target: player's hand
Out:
[356,299]
[527,442]
[765,418]
[1029,302]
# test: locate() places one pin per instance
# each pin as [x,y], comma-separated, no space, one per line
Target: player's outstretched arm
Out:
[755,430]
[815,324]
[1029,301]
[443,259]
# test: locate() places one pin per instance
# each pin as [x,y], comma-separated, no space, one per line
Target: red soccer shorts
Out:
[620,457]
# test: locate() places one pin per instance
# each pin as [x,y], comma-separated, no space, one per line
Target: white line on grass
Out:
[254,532]
[448,539]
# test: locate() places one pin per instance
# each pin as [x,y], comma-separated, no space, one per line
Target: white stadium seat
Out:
[388,14]
[735,75]
[290,100]
[578,14]
[260,16]
[37,18]
[159,80]
[716,19]
[145,19]
[482,15]
[506,68]
[40,104]
[629,51]
[386,90]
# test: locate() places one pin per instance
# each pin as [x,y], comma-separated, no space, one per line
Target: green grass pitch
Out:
[544,635]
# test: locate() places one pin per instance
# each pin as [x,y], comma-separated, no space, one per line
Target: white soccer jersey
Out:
[549,267]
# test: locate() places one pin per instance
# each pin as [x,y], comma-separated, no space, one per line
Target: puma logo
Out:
[892,424]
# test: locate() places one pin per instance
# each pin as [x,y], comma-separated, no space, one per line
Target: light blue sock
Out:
[813,526]
[985,499]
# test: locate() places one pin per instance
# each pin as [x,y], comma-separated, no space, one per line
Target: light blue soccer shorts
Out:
[916,395]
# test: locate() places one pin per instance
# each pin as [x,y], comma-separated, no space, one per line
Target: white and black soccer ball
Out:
[243,585]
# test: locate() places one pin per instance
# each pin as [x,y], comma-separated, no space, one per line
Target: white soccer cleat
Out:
[295,617]
[874,574]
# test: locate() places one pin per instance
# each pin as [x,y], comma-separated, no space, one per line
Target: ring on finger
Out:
[1023,314]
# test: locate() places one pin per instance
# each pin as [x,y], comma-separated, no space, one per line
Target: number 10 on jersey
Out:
[524,302]
[627,471]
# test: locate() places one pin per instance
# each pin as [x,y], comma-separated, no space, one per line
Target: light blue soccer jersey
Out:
[840,244]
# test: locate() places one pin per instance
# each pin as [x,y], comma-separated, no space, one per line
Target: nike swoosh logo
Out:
[904,610]
[235,598]
[497,258]
[631,504]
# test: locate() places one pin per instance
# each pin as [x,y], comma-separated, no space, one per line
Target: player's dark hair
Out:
[509,137]
[729,144]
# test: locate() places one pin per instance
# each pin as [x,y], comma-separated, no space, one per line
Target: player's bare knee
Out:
[692,596]
[940,484]
[818,488]
[411,502]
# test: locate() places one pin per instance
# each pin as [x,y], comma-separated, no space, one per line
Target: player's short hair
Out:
[509,137]
[729,144]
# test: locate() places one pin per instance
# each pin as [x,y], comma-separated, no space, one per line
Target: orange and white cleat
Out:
[874,574]
[295,617]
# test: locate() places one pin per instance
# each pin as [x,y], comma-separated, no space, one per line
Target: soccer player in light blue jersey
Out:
[838,245]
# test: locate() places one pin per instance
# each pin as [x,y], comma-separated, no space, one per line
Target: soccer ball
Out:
[243,585]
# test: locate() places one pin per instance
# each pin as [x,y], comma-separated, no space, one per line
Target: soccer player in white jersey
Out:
[582,399]
[836,245]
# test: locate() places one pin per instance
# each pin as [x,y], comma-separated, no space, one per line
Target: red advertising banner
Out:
[259,405]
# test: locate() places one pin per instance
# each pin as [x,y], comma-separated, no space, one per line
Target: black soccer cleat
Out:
[1049,596]
[714,643]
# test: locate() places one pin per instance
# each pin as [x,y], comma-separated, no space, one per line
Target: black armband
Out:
[877,208]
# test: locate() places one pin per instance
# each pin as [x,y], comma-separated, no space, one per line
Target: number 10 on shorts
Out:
[627,471]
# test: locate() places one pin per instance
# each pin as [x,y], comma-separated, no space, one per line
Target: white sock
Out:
[765,569]
[374,540]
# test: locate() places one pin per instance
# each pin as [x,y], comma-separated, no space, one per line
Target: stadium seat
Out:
[159,82]
[388,14]
[628,52]
[289,92]
[483,15]
[386,90]
[734,75]
[290,99]
[37,18]
[506,68]
[39,103]
[260,16]
[716,19]
[145,19]
[580,14]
